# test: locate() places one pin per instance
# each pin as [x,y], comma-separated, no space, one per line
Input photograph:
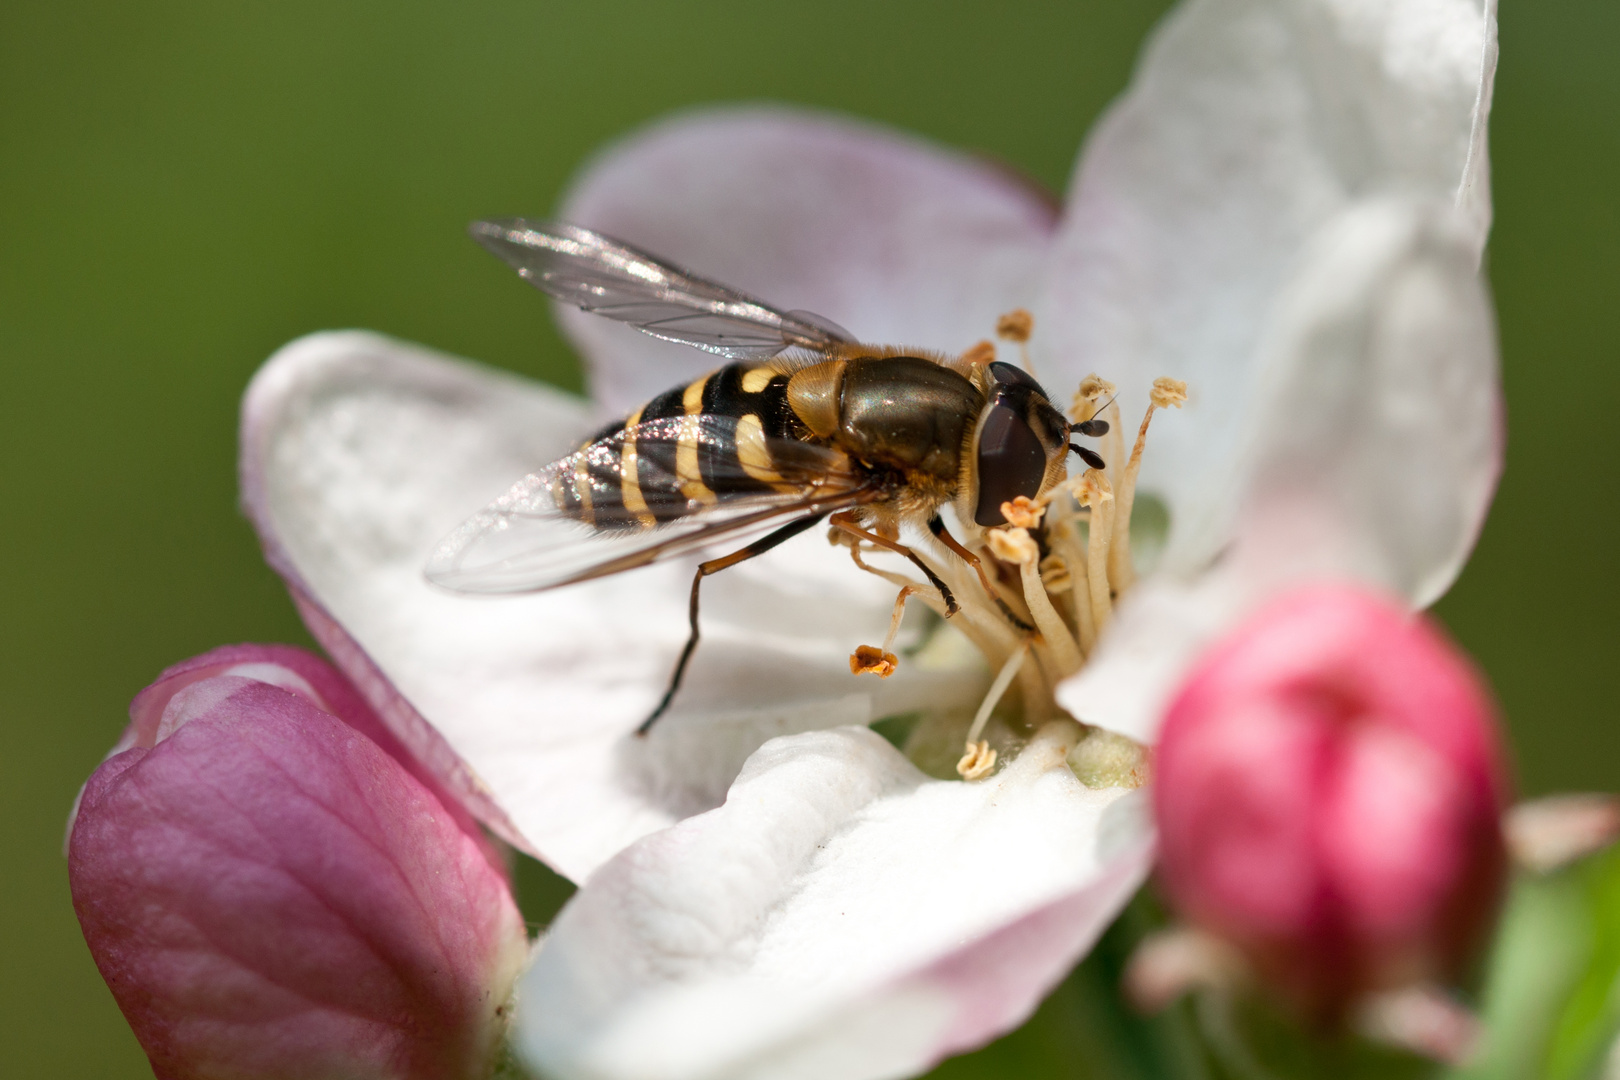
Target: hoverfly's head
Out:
[1020,442]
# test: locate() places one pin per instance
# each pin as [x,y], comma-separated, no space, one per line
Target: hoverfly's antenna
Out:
[1095,427]
[1090,457]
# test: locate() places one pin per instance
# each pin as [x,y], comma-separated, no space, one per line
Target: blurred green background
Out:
[184,186]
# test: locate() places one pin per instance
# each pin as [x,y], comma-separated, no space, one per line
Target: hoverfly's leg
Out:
[846,521]
[937,527]
[714,566]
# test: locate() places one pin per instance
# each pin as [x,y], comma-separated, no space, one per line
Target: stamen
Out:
[1166,393]
[1097,494]
[1017,326]
[1095,388]
[882,662]
[1004,679]
[980,759]
[1016,546]
[1023,512]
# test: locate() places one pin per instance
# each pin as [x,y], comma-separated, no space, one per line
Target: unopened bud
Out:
[270,893]
[1329,793]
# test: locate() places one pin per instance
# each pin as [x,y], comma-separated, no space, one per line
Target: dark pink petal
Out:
[1329,789]
[270,894]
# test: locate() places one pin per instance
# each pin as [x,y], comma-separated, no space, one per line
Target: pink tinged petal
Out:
[269,893]
[1249,126]
[840,916]
[1329,788]
[296,671]
[898,240]
[1373,453]
[360,453]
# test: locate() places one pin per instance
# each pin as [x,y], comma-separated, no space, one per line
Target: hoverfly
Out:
[804,424]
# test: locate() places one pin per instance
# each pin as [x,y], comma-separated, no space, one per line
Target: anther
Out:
[978,355]
[866,660]
[977,762]
[1023,512]
[1013,545]
[1168,392]
[1055,574]
[1016,325]
[1093,388]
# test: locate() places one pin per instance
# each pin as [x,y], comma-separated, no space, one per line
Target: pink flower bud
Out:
[269,893]
[1329,792]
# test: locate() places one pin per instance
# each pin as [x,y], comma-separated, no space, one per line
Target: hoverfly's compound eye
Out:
[1012,462]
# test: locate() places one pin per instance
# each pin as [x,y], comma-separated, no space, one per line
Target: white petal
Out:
[899,241]
[841,917]
[1374,456]
[360,453]
[1248,126]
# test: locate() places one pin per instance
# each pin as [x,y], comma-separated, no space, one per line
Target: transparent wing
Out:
[603,510]
[605,277]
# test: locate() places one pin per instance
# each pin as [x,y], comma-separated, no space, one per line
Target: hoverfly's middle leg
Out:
[937,527]
[714,566]
[846,521]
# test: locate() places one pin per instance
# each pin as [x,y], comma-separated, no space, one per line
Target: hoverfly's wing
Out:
[605,277]
[621,503]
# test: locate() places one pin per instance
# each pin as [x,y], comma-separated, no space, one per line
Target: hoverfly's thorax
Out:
[907,413]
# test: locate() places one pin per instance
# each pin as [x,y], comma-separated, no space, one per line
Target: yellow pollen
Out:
[1013,546]
[1168,392]
[1023,512]
[866,660]
[1093,388]
[1016,325]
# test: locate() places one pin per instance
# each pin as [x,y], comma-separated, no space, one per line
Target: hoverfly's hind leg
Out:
[937,527]
[714,566]
[846,521]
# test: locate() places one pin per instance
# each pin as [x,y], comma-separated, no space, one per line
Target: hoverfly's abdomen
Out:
[625,482]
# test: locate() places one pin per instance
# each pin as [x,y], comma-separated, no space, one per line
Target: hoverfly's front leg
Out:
[846,521]
[714,566]
[937,527]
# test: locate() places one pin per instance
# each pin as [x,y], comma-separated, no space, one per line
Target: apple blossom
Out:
[269,893]
[1329,789]
[1282,220]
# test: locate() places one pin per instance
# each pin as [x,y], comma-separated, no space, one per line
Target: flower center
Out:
[1058,567]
